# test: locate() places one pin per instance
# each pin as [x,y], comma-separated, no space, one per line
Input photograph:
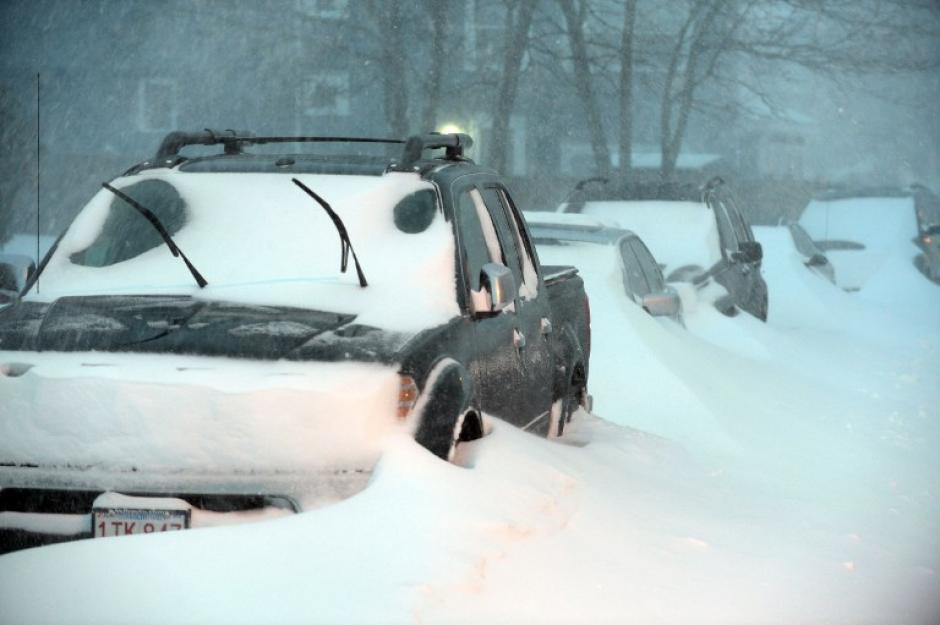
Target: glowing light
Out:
[450,129]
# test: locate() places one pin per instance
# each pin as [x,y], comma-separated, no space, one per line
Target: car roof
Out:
[573,227]
[237,156]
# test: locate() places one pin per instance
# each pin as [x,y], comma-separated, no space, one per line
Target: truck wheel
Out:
[448,417]
[469,427]
[572,399]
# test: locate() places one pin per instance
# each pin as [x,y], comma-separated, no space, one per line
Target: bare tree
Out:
[705,35]
[518,23]
[575,13]
[394,76]
[626,90]
[437,13]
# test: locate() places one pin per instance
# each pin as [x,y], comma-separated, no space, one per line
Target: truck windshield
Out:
[257,238]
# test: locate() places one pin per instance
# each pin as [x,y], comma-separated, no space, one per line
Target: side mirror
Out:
[663,304]
[933,230]
[817,260]
[498,283]
[748,252]
[8,277]
[7,298]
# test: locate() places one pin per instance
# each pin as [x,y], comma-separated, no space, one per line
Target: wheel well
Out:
[471,428]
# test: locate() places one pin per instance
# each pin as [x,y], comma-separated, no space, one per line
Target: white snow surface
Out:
[735,473]
[192,413]
[885,226]
[677,233]
[257,238]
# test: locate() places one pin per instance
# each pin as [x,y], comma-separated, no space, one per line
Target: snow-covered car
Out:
[694,240]
[584,242]
[192,350]
[927,208]
[861,230]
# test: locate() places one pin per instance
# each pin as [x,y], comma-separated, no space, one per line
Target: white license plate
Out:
[127,521]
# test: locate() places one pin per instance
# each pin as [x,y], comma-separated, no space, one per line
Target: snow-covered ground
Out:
[735,472]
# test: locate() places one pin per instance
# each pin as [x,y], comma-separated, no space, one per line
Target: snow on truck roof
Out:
[257,238]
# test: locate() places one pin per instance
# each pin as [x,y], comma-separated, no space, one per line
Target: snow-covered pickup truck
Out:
[192,350]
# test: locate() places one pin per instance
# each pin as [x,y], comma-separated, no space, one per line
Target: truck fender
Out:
[568,354]
[446,400]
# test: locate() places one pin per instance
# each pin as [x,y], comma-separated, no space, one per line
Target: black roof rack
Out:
[234,140]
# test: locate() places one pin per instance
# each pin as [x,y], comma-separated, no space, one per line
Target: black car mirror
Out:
[663,304]
[498,283]
[748,252]
[8,297]
[8,280]
[817,260]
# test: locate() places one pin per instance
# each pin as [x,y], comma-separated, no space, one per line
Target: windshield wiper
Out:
[345,245]
[160,229]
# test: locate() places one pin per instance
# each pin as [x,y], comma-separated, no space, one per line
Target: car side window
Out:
[654,276]
[477,236]
[729,241]
[802,241]
[528,287]
[741,230]
[504,232]
[126,233]
[633,279]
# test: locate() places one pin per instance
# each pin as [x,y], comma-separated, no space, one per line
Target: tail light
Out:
[407,395]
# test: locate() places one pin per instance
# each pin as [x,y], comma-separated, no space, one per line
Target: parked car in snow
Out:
[576,240]
[198,353]
[695,240]
[860,230]
[927,209]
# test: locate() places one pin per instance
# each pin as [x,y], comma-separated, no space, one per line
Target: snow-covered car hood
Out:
[168,383]
[174,413]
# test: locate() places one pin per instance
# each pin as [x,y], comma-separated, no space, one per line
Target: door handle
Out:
[518,339]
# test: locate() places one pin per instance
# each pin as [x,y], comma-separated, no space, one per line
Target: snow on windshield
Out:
[257,238]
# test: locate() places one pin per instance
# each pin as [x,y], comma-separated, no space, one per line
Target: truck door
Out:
[496,365]
[532,314]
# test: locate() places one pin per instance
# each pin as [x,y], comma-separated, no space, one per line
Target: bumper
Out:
[42,506]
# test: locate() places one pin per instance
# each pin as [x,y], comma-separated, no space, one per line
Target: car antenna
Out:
[38,169]
[161,230]
[345,244]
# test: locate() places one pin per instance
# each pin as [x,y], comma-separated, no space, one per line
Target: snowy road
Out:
[735,473]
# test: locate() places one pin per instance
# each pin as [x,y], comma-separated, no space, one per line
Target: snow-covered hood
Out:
[182,414]
[166,383]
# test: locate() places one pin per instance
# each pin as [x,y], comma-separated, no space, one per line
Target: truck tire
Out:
[572,399]
[448,417]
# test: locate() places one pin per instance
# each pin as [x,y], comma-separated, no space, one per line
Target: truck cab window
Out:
[126,233]
[477,237]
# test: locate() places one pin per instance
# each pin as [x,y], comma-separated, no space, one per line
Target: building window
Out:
[326,94]
[324,9]
[485,33]
[157,109]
